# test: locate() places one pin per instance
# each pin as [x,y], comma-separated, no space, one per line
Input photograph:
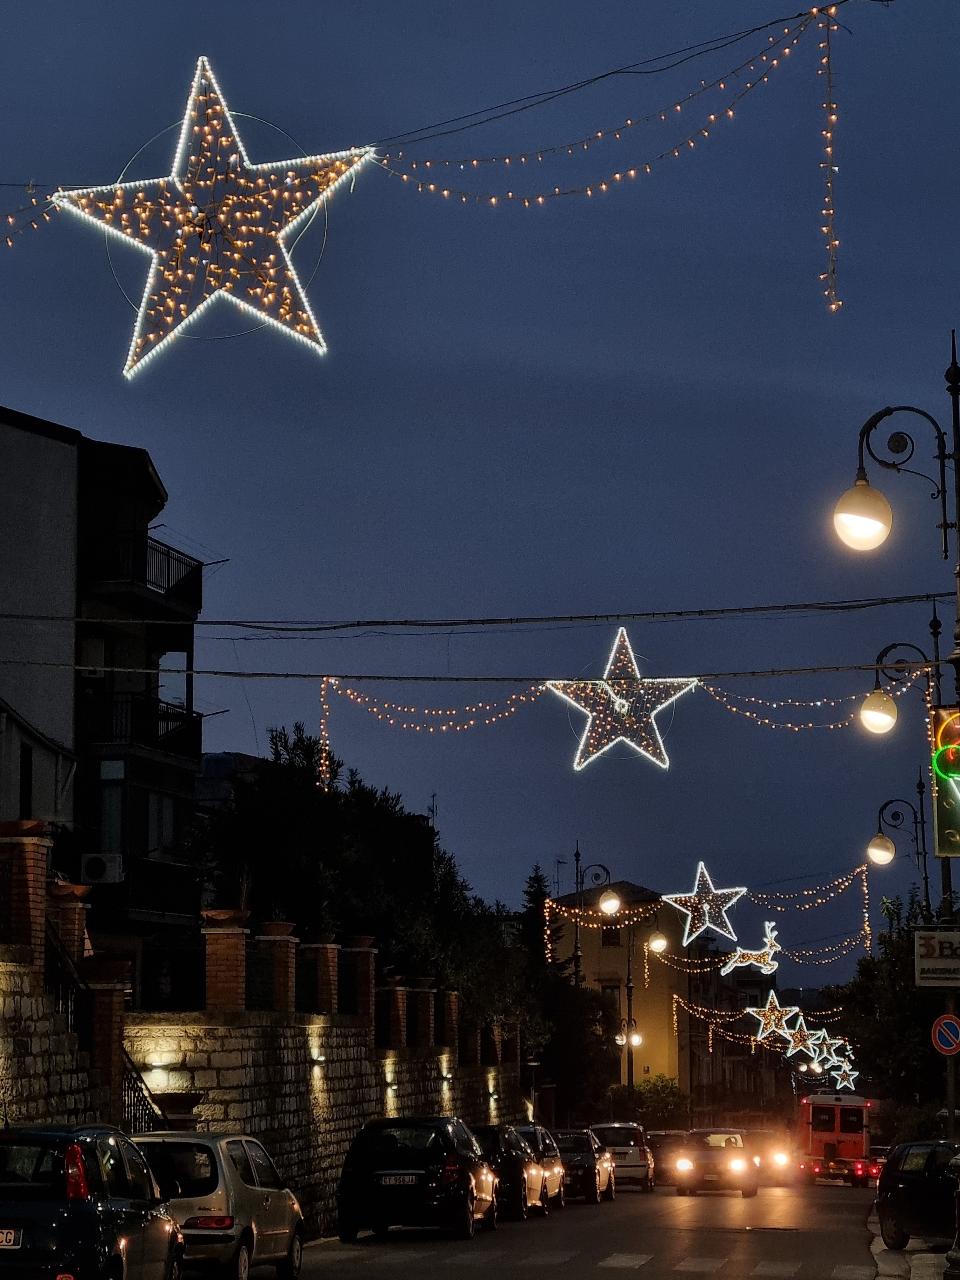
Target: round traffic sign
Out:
[946,1034]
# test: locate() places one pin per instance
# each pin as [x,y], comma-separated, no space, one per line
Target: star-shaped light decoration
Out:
[844,1077]
[217,226]
[773,1017]
[801,1039]
[622,706]
[705,907]
[828,1056]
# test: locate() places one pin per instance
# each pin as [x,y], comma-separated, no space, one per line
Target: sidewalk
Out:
[916,1262]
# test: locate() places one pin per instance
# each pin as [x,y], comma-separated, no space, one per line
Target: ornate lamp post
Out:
[609,904]
[881,850]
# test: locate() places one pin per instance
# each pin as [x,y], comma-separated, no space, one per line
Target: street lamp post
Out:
[881,849]
[609,904]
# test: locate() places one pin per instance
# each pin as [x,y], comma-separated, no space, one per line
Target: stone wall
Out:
[44,1079]
[305,1084]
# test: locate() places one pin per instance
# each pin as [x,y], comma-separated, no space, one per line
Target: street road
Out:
[811,1233]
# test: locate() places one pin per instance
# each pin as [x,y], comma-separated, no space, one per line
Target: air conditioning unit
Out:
[101,868]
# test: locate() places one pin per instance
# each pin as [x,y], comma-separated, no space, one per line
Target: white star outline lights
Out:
[216,226]
[621,707]
[705,907]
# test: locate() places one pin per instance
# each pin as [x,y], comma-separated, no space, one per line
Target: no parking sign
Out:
[946,1034]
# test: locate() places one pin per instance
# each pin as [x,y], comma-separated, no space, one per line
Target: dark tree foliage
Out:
[657,1102]
[887,1018]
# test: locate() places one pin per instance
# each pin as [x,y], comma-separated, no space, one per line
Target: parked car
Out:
[715,1160]
[588,1166]
[81,1202]
[663,1144]
[771,1153]
[233,1208]
[627,1143]
[520,1179]
[916,1193]
[425,1171]
[547,1153]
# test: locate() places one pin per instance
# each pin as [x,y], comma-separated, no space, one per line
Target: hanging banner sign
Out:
[945,775]
[937,957]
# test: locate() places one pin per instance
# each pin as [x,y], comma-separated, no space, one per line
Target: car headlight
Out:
[781,1159]
[684,1165]
[738,1165]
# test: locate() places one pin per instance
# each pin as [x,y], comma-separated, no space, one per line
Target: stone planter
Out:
[357,940]
[224,917]
[64,892]
[277,928]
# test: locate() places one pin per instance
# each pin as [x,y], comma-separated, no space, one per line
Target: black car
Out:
[520,1180]
[81,1204]
[588,1168]
[427,1171]
[665,1144]
[715,1160]
[916,1193]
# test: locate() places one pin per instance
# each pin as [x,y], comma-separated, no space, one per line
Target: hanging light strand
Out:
[807,899]
[536,155]
[26,217]
[427,186]
[826,25]
[440,719]
[743,705]
[325,769]
[590,919]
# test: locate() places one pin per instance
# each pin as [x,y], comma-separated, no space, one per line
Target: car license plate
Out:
[9,1239]
[709,1177]
[399,1180]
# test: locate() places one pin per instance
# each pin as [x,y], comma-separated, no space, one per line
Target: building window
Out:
[111,819]
[26,781]
[611,993]
[160,832]
[610,935]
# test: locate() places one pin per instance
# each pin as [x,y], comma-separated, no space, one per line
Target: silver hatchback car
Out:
[230,1202]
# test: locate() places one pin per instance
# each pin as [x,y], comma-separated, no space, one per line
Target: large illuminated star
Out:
[801,1041]
[845,1076]
[621,706]
[773,1017]
[705,907]
[217,226]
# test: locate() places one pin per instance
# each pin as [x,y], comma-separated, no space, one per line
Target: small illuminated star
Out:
[845,1076]
[773,1017]
[622,706]
[801,1040]
[828,1056]
[217,226]
[705,907]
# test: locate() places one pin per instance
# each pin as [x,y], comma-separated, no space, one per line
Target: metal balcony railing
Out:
[147,562]
[135,719]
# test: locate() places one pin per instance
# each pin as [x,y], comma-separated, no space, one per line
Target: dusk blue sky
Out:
[627,403]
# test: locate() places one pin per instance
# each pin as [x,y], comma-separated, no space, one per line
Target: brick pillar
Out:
[226,969]
[324,962]
[397,1017]
[423,1001]
[364,967]
[451,1024]
[281,956]
[470,1043]
[69,915]
[107,1048]
[23,848]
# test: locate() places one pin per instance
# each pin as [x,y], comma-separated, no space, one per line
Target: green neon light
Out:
[954,773]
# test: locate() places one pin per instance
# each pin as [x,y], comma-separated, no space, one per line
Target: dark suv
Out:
[916,1193]
[82,1204]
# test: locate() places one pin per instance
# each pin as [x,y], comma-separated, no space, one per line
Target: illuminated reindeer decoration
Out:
[762,959]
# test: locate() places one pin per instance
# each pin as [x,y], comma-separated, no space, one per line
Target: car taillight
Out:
[816,1168]
[216,1222]
[450,1171]
[859,1167]
[874,1171]
[76,1173]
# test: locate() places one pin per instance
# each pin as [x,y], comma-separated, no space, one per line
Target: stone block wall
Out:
[304,1084]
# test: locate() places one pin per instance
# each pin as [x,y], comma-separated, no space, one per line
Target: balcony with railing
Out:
[139,720]
[144,566]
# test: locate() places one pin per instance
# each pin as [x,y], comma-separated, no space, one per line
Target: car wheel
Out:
[611,1190]
[544,1199]
[466,1224]
[289,1268]
[381,1230]
[490,1221]
[175,1269]
[239,1267]
[892,1234]
[748,1192]
[347,1231]
[520,1208]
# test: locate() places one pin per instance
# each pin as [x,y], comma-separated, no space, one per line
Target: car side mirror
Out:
[952,1170]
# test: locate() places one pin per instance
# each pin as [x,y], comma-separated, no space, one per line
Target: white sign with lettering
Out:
[937,957]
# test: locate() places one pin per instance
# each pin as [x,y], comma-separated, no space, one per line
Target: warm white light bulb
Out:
[863,518]
[636,1039]
[878,712]
[881,850]
[609,903]
[658,942]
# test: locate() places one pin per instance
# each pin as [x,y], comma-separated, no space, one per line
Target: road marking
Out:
[700,1264]
[473,1257]
[546,1259]
[776,1269]
[853,1273]
[341,1255]
[626,1261]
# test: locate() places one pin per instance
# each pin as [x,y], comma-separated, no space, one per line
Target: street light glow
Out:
[658,942]
[609,903]
[878,712]
[881,850]
[636,1039]
[863,517]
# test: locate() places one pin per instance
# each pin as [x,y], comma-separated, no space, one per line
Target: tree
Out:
[658,1103]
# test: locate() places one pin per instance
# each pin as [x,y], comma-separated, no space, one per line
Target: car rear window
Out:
[489,1139]
[574,1142]
[611,1136]
[189,1164]
[31,1171]
[414,1144]
[706,1138]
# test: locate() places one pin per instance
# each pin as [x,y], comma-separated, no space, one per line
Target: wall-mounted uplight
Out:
[446,1078]
[319,1058]
[391,1086]
[494,1095]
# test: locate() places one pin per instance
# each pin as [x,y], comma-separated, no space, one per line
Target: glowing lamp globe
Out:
[609,903]
[878,712]
[658,942]
[881,850]
[863,518]
[620,1038]
[636,1039]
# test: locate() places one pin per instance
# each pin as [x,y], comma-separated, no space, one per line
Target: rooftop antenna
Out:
[557,864]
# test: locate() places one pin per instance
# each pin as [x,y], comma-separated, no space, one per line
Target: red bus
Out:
[833,1138]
